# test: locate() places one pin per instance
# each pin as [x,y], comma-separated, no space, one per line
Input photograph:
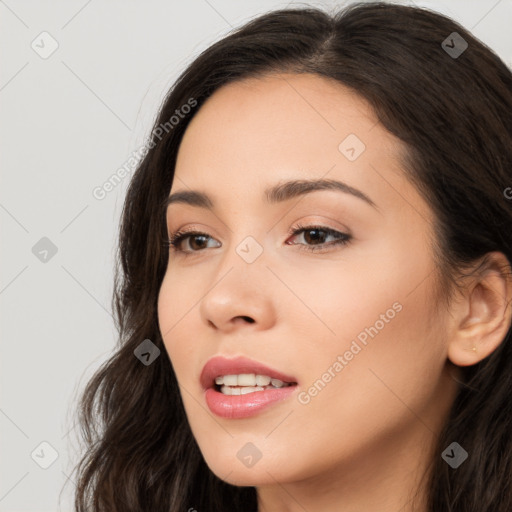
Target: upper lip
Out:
[219,365]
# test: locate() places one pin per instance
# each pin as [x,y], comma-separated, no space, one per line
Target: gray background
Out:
[68,122]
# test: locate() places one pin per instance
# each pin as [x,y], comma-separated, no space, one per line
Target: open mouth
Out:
[236,388]
[246,383]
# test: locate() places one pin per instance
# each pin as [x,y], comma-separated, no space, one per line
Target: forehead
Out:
[278,112]
[255,132]
[300,120]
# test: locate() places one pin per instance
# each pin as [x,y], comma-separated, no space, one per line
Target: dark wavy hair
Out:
[454,114]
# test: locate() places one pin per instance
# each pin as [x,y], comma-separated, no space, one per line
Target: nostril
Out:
[248,318]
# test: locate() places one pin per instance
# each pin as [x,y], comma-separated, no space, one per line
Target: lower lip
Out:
[243,406]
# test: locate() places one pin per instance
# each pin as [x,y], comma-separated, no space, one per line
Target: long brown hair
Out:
[454,113]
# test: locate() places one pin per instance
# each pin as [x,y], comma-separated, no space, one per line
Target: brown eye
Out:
[315,237]
[197,241]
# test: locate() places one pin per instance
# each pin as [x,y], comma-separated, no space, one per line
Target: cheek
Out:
[387,359]
[175,300]
[382,321]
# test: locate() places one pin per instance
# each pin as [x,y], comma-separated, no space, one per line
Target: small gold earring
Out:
[473,349]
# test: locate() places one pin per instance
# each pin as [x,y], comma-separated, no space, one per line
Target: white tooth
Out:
[219,380]
[247,379]
[262,380]
[250,389]
[277,383]
[229,390]
[230,380]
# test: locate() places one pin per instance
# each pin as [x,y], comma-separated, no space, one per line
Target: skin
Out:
[366,438]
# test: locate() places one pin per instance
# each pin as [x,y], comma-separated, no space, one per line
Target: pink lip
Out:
[241,406]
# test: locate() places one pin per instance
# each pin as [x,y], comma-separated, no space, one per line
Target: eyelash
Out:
[343,238]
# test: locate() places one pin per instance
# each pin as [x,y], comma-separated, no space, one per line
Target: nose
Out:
[240,298]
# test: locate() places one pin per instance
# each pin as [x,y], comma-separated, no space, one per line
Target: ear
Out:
[481,316]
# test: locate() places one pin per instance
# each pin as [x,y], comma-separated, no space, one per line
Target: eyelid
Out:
[342,238]
[306,222]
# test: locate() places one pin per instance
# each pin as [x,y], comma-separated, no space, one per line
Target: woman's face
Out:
[353,324]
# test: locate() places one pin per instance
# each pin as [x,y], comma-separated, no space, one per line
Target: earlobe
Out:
[483,316]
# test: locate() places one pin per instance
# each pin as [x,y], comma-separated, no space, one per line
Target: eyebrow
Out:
[276,194]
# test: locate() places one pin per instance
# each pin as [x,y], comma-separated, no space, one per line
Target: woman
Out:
[315,278]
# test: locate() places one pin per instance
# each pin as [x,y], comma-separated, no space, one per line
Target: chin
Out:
[245,477]
[242,467]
